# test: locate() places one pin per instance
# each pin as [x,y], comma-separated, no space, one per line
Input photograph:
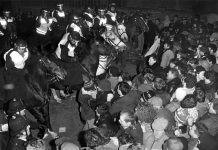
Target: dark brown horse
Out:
[98,58]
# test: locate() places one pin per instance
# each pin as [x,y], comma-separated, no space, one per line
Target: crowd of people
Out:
[171,103]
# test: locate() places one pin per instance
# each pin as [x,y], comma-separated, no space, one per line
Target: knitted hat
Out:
[160,124]
[105,85]
[89,85]
[156,101]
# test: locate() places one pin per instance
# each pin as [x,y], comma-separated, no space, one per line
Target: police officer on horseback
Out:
[15,60]
[7,29]
[75,25]
[59,13]
[112,14]
[101,19]
[67,46]
[88,16]
[43,29]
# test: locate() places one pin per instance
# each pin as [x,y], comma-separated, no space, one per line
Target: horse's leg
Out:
[140,42]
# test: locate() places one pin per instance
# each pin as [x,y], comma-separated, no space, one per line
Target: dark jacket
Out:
[173,85]
[16,144]
[127,102]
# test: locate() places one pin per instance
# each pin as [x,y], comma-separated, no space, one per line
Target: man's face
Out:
[170,75]
[21,50]
[151,61]
[112,8]
[73,41]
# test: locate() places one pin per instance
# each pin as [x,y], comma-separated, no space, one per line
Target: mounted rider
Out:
[89,16]
[7,29]
[59,16]
[100,20]
[15,60]
[67,46]
[66,57]
[59,13]
[43,28]
[75,25]
[112,14]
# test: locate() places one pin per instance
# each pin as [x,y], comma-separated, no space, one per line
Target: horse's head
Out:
[121,29]
[52,68]
[114,40]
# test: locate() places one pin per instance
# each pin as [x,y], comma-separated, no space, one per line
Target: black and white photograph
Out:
[108,74]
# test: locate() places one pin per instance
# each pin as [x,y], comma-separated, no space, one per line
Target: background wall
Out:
[195,5]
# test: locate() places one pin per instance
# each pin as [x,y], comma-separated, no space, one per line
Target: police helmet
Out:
[16,124]
[20,43]
[112,5]
[15,106]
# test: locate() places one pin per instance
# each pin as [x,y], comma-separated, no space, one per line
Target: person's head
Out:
[112,7]
[172,74]
[173,143]
[19,126]
[188,102]
[102,109]
[211,59]
[200,73]
[101,12]
[93,138]
[158,126]
[173,63]
[60,6]
[189,81]
[74,38]
[156,102]
[127,119]
[76,18]
[16,106]
[44,13]
[157,21]
[168,45]
[6,13]
[199,94]
[147,95]
[113,71]
[152,60]
[159,84]
[21,46]
[125,138]
[210,77]
[145,112]
[212,48]
[89,9]
[123,88]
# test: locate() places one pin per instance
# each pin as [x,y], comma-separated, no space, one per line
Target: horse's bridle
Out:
[54,77]
[112,42]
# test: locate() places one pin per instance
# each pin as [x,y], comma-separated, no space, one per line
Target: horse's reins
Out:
[55,78]
[112,42]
